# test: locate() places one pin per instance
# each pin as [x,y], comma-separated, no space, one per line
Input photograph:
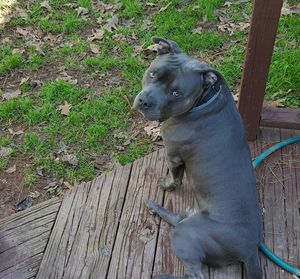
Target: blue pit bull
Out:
[204,136]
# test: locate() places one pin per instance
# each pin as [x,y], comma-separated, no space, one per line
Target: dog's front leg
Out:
[176,168]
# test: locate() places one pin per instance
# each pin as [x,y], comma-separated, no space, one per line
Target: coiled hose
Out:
[284,265]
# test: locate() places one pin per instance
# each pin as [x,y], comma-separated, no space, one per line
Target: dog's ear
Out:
[166,46]
[210,75]
[209,78]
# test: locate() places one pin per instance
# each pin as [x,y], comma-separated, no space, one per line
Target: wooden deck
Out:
[101,229]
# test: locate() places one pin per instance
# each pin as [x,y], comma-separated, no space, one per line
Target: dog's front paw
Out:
[166,183]
[152,206]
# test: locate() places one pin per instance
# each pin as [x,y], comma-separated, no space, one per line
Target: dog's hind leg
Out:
[253,268]
[165,214]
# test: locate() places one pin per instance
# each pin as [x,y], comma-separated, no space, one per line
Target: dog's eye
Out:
[175,93]
[152,74]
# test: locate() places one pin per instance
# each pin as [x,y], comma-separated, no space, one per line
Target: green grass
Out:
[10,63]
[99,110]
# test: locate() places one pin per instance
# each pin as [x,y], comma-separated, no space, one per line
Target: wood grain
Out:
[135,245]
[84,233]
[23,238]
[280,117]
[262,34]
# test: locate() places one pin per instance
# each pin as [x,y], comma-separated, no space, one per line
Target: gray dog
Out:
[203,135]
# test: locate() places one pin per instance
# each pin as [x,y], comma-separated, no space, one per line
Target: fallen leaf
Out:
[71,159]
[150,4]
[22,31]
[15,133]
[39,171]
[197,30]
[120,148]
[45,4]
[5,151]
[21,13]
[34,194]
[165,7]
[11,169]
[146,25]
[289,10]
[65,108]
[94,48]
[23,80]
[227,4]
[99,20]
[18,51]
[51,185]
[235,98]
[111,24]
[11,94]
[137,50]
[153,130]
[7,40]
[127,142]
[81,11]
[98,34]
[244,26]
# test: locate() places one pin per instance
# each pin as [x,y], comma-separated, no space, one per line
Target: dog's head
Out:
[174,83]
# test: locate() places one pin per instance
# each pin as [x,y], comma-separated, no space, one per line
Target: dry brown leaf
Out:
[94,48]
[45,4]
[15,133]
[22,31]
[11,169]
[7,40]
[146,25]
[98,34]
[71,159]
[289,10]
[23,80]
[5,151]
[18,50]
[153,130]
[34,194]
[11,94]
[227,4]
[21,13]
[150,4]
[82,11]
[197,30]
[165,7]
[65,108]
[112,24]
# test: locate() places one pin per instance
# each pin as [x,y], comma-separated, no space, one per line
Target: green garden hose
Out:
[284,265]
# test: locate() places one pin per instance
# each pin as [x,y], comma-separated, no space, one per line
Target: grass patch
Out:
[98,110]
[135,151]
[10,63]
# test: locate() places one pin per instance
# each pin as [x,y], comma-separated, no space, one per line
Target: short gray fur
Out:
[204,136]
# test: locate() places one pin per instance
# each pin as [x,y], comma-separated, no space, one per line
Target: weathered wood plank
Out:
[274,201]
[290,164]
[135,245]
[280,118]
[84,233]
[264,22]
[23,238]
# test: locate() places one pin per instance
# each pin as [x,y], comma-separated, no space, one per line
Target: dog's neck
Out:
[207,95]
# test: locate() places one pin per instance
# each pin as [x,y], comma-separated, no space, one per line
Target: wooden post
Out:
[264,24]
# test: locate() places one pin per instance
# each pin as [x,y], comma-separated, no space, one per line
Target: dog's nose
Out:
[144,104]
